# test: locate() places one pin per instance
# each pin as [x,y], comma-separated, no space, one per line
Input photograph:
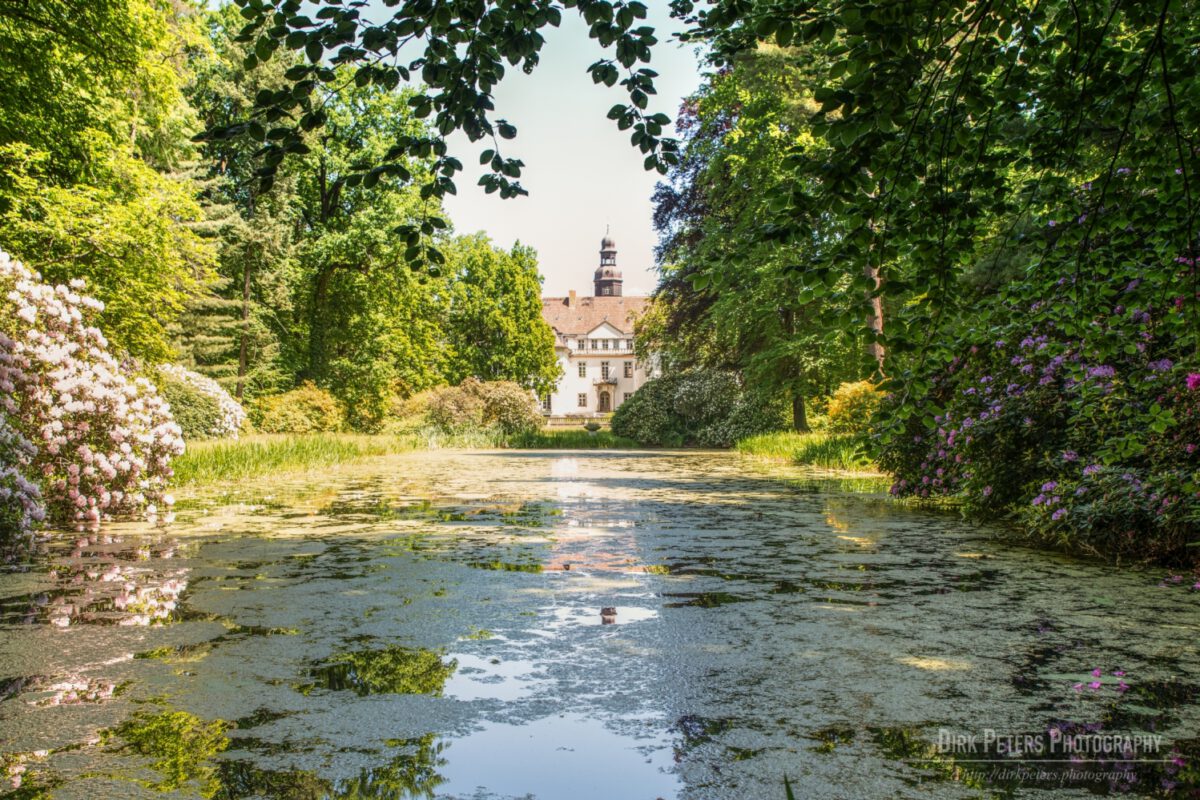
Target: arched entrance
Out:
[605,402]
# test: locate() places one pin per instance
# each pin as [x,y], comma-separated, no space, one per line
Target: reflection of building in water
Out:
[593,339]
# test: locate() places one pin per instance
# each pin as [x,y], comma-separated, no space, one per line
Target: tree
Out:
[495,321]
[729,297]
[462,53]
[247,308]
[92,124]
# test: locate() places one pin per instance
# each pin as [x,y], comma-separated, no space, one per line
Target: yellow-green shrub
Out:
[305,409]
[852,406]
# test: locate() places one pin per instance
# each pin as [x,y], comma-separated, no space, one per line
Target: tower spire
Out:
[608,278]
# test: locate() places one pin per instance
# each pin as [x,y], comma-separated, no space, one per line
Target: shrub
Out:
[509,407]
[1089,446]
[474,405]
[95,440]
[708,408]
[648,416]
[852,406]
[454,409]
[200,406]
[305,409]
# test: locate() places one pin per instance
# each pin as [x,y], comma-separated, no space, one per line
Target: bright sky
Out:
[582,173]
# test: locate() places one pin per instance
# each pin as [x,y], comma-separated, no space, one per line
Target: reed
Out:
[826,450]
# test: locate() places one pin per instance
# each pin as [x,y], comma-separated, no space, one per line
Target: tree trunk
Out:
[799,414]
[244,345]
[874,314]
[316,322]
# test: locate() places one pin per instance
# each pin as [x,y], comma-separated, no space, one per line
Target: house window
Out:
[628,369]
[604,370]
[583,369]
[583,399]
[546,403]
[624,396]
[605,343]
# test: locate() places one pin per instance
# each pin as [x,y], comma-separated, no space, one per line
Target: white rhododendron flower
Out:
[81,439]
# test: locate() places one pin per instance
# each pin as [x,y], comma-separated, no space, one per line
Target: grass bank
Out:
[825,450]
[231,460]
[568,440]
[226,460]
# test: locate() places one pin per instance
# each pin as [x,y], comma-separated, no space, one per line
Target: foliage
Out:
[305,409]
[851,407]
[21,505]
[1015,419]
[93,125]
[126,233]
[728,297]
[181,745]
[473,404]
[708,408]
[200,406]
[104,439]
[828,451]
[495,323]
[458,82]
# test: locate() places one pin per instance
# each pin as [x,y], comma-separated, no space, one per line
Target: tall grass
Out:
[568,440]
[230,460]
[826,450]
[224,460]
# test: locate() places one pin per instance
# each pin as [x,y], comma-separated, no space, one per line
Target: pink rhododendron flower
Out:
[85,411]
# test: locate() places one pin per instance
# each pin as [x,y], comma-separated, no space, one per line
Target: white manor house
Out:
[594,345]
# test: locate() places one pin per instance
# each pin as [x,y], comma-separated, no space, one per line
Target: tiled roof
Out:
[585,313]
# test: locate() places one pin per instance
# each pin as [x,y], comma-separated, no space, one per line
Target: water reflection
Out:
[394,670]
[433,625]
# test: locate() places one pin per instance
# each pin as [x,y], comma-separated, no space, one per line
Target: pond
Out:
[612,625]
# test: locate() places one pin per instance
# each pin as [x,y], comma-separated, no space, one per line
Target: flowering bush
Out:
[852,406]
[473,405]
[199,404]
[20,498]
[95,441]
[709,408]
[1094,446]
[305,409]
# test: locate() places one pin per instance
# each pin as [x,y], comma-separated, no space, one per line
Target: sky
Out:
[581,172]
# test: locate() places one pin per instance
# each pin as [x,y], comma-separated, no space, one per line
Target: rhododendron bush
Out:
[200,403]
[82,438]
[1072,405]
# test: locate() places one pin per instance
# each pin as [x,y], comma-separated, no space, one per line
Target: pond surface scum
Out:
[428,625]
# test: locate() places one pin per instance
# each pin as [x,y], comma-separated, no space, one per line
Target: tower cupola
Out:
[608,278]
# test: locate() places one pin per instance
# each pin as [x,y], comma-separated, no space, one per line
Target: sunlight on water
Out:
[594,624]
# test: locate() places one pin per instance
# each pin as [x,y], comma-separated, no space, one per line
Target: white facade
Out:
[600,371]
[594,344]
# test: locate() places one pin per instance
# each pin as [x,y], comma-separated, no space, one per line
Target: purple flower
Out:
[987,491]
[1133,284]
[1070,455]
[1162,365]
[1123,170]
[1057,515]
[1091,469]
[1052,223]
[1193,381]
[1049,486]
